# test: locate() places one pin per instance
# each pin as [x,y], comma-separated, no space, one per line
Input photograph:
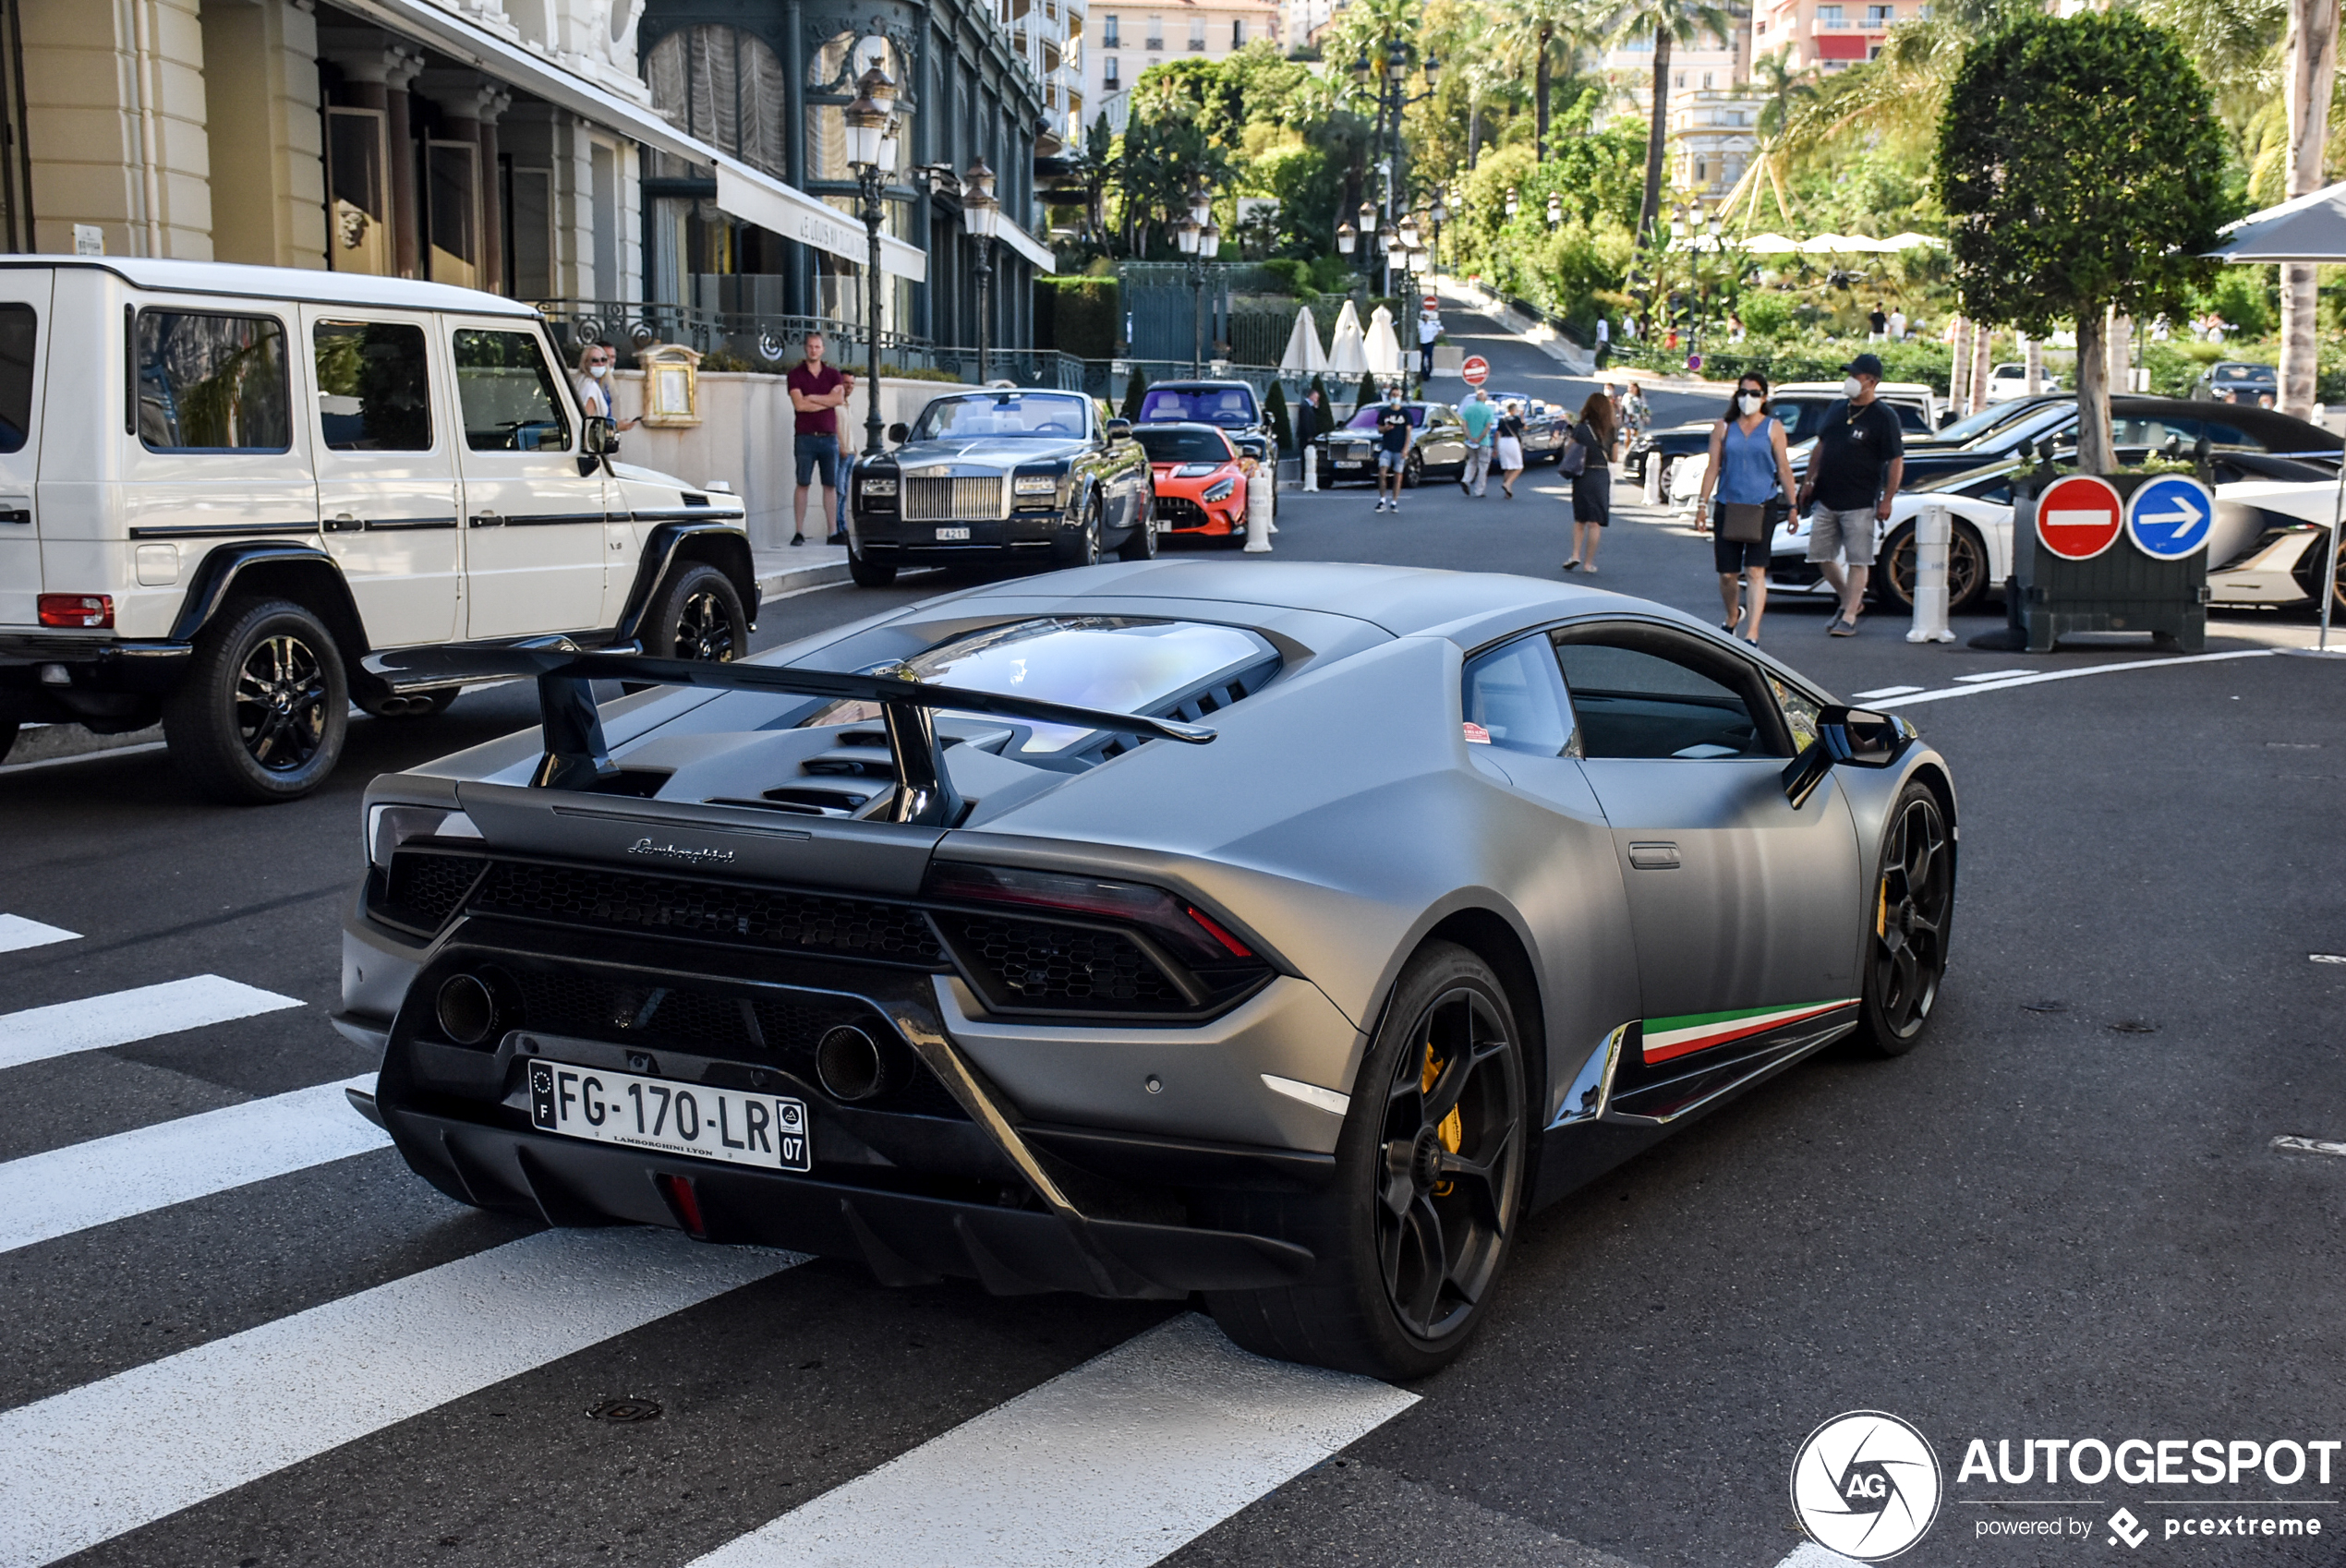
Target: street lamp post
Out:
[1200,240]
[980,215]
[871,152]
[1440,213]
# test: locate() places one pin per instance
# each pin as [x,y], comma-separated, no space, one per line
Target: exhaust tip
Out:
[466,1008]
[849,1064]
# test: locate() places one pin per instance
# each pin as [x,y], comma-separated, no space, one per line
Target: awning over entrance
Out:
[748,194]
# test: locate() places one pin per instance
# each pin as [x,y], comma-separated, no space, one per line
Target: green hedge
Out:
[1079,315]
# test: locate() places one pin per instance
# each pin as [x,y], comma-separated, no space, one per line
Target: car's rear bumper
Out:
[52,678]
[907,1238]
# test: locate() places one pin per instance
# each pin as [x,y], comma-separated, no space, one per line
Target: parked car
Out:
[1200,481]
[222,486]
[2170,427]
[1232,406]
[1040,936]
[2238,380]
[1047,476]
[1438,448]
[2010,380]
[1546,426]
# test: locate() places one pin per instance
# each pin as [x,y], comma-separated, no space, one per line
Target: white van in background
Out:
[221,485]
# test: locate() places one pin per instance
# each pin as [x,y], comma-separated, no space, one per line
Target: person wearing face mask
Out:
[1854,473]
[593,382]
[1750,467]
[1394,433]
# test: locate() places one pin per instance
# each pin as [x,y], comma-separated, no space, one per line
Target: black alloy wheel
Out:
[1913,904]
[262,710]
[699,618]
[1966,570]
[1083,548]
[1413,1233]
[2309,576]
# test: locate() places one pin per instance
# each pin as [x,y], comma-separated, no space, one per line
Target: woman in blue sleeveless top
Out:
[1750,467]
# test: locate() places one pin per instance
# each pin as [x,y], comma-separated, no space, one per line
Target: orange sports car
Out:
[1200,481]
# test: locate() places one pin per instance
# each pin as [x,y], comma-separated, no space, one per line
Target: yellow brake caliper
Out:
[1452,1132]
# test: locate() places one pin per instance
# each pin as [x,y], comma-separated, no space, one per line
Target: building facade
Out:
[1126,41]
[1828,35]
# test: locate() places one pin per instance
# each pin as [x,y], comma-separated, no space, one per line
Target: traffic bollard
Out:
[1258,512]
[1311,475]
[1932,532]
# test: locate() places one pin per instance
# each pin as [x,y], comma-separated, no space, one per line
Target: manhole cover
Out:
[626,1410]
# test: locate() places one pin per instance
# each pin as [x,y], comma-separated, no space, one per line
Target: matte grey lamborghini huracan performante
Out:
[1279,931]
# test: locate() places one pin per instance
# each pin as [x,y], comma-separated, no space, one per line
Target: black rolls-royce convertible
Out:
[1046,476]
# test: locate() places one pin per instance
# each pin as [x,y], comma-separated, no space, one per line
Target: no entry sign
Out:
[2170,516]
[1476,370]
[2079,517]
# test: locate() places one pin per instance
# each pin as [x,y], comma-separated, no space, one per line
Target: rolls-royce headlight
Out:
[1035,484]
[878,486]
[1221,491]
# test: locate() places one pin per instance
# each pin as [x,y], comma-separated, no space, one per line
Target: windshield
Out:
[1098,661]
[1232,406]
[1963,478]
[1177,445]
[2039,421]
[1993,416]
[1366,418]
[1001,414]
[2245,373]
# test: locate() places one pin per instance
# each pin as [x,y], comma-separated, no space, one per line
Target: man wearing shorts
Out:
[1393,434]
[816,392]
[1854,473]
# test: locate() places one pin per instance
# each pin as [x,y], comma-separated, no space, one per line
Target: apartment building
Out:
[1712,135]
[1829,35]
[1125,42]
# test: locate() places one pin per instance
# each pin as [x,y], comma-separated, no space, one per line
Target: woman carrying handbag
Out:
[1588,457]
[1751,471]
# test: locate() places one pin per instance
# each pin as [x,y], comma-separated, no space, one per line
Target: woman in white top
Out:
[595,363]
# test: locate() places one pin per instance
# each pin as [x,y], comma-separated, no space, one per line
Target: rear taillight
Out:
[1191,935]
[76,609]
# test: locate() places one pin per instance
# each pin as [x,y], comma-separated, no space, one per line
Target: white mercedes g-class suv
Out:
[222,486]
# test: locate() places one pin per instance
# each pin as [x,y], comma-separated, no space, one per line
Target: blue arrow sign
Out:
[2170,517]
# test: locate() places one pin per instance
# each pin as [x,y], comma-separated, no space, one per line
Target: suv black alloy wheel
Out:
[261,712]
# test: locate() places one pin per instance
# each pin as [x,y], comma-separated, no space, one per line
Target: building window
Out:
[1109,39]
[1701,170]
[1238,32]
[723,86]
[1197,32]
[1705,81]
[1830,16]
[1157,32]
[1677,79]
[1880,16]
[1112,80]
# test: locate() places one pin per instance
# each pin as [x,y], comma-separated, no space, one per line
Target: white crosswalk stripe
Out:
[1114,1464]
[118,1018]
[18,933]
[109,1456]
[53,1194]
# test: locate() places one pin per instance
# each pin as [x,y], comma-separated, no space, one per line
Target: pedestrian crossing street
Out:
[1120,1460]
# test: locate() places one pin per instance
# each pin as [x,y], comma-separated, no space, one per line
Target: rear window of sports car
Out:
[1118,663]
[1185,446]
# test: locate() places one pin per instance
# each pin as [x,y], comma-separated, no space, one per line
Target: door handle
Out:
[344,523]
[486,520]
[1654,857]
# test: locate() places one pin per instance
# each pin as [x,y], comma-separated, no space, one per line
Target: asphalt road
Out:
[2060,1217]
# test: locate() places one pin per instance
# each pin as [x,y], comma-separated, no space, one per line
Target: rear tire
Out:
[1966,571]
[262,711]
[1414,1230]
[1141,545]
[698,616]
[1913,906]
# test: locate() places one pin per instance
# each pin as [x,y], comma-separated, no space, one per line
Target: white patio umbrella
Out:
[1305,355]
[1822,245]
[1347,355]
[1768,245]
[1383,349]
[2309,228]
[1910,240]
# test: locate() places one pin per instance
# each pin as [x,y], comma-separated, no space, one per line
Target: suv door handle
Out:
[344,523]
[1654,857]
[486,520]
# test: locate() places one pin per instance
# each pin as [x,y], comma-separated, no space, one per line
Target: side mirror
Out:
[1119,429]
[1847,737]
[601,437]
[898,431]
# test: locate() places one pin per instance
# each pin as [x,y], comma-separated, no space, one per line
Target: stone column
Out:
[376,74]
[469,106]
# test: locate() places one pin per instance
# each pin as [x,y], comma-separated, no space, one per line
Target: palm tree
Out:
[1668,23]
[1531,33]
[1783,87]
[2313,70]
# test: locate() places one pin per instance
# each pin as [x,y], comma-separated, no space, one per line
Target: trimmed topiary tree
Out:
[1275,404]
[2081,169]
[1136,387]
[1368,392]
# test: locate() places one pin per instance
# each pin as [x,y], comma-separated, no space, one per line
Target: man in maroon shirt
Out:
[816,394]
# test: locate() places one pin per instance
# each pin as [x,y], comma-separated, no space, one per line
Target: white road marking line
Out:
[2287,1145]
[2043,676]
[63,1191]
[117,1018]
[86,1465]
[1113,1465]
[17,934]
[1809,1554]
[1875,697]
[84,756]
[2327,958]
[1995,674]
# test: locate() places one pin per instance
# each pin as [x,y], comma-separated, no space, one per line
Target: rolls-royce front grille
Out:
[953,500]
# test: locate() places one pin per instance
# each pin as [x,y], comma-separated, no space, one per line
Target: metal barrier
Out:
[759,341]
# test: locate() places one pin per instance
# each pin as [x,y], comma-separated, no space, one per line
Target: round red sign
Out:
[1476,370]
[2079,517]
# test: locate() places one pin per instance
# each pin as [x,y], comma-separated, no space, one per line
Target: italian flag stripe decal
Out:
[1666,1038]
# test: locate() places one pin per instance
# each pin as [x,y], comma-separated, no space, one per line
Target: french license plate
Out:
[673,1118]
[943,534]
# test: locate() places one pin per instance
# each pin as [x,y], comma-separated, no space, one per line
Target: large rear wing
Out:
[577,758]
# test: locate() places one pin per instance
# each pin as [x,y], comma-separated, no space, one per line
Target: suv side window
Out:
[1647,692]
[372,392]
[18,327]
[1515,700]
[212,383]
[507,393]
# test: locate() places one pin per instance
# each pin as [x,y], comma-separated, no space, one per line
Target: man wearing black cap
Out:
[1854,473]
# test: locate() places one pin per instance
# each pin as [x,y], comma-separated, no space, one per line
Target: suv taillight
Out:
[76,609]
